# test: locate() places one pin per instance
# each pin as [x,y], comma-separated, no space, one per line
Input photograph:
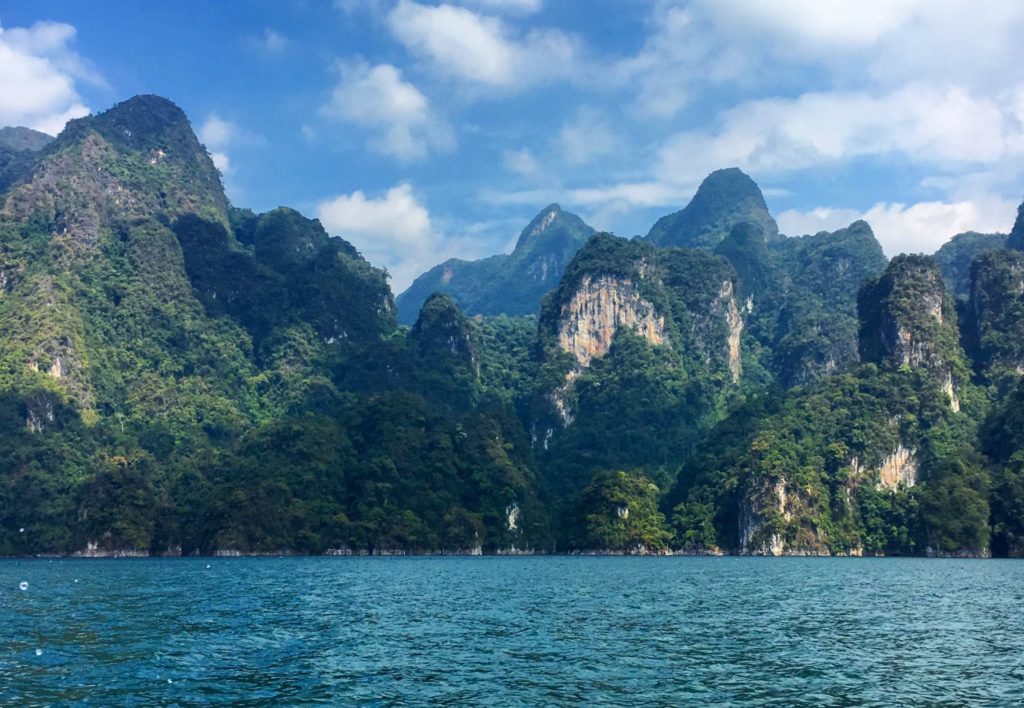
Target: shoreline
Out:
[130,554]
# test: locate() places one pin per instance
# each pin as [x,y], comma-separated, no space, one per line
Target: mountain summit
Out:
[725,198]
[511,284]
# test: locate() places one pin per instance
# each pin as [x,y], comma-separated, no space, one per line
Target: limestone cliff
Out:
[898,469]
[908,320]
[596,311]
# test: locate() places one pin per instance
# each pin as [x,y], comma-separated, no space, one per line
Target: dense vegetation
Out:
[725,198]
[178,375]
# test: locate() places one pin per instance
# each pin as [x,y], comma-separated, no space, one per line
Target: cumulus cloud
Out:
[393,230]
[829,24]
[907,228]
[216,134]
[889,41]
[922,124]
[378,98]
[482,49]
[39,75]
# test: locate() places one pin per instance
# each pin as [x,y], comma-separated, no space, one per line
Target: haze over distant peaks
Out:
[505,284]
[724,199]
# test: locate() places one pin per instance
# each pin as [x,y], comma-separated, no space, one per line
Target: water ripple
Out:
[513,631]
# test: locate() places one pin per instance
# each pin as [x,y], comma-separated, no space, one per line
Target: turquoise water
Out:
[512,631]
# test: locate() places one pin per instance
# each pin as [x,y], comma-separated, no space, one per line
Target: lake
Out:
[512,631]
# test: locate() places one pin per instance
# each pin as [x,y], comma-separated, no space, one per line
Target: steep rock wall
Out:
[599,307]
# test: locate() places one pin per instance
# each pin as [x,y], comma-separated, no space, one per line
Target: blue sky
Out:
[422,130]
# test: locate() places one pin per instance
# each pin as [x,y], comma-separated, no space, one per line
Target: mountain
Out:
[956,256]
[995,335]
[725,198]
[505,284]
[816,327]
[1016,238]
[877,460]
[19,150]
[640,350]
[23,139]
[179,375]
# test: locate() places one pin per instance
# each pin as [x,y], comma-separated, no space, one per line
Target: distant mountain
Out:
[19,150]
[19,138]
[504,284]
[179,375]
[956,256]
[724,199]
[816,330]
[1016,239]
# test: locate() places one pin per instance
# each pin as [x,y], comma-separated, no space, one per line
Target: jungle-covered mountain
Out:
[505,284]
[179,375]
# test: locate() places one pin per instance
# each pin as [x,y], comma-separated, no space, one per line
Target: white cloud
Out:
[925,125]
[889,41]
[221,161]
[272,41]
[217,134]
[482,49]
[586,137]
[38,77]
[831,25]
[377,97]
[393,230]
[522,162]
[518,7]
[901,228]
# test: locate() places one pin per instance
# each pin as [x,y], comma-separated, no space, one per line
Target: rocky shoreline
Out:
[99,553]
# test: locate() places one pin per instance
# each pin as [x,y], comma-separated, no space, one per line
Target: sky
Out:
[421,130]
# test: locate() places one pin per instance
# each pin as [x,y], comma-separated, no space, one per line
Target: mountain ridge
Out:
[178,375]
[511,284]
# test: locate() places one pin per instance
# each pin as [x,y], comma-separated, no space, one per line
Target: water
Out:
[513,631]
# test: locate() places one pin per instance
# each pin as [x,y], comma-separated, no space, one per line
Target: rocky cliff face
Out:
[898,469]
[734,321]
[763,515]
[908,319]
[599,307]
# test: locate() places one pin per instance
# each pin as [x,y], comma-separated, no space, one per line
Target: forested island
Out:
[181,376]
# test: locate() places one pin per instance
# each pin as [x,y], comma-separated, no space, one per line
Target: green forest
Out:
[181,376]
